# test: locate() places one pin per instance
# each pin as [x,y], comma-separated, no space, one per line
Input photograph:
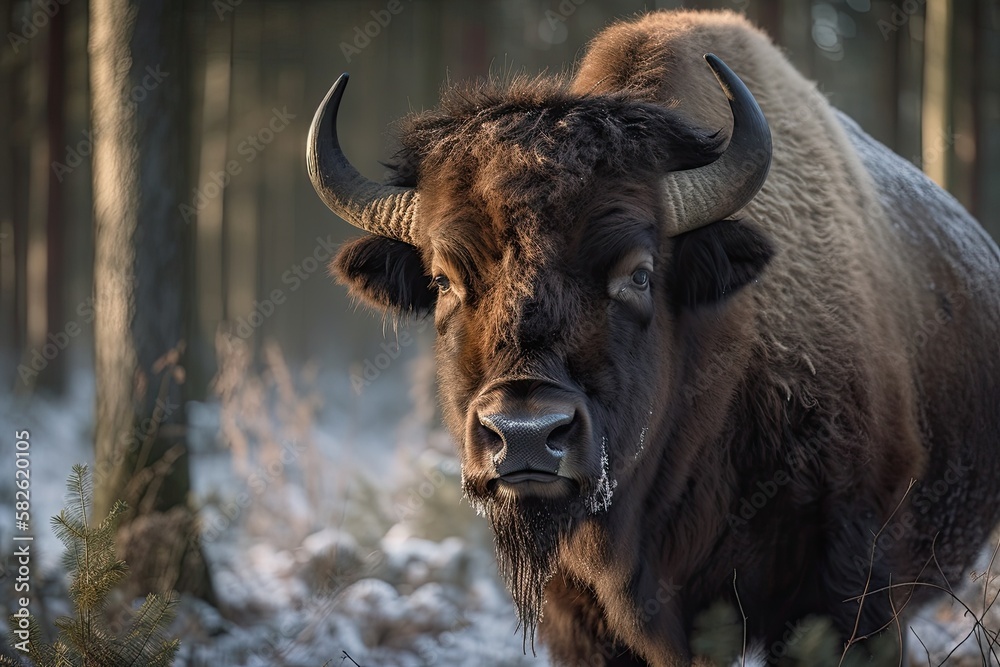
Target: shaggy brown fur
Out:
[761,407]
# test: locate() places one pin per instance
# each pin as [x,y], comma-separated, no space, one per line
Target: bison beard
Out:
[526,533]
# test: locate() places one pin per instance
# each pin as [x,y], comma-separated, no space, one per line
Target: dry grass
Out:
[267,420]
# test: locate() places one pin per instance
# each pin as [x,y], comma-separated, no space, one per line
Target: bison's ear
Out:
[712,262]
[384,274]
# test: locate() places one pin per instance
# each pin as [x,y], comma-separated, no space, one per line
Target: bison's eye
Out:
[629,284]
[640,279]
[442,283]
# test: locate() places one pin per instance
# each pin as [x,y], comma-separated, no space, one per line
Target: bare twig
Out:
[968,610]
[871,567]
[743,661]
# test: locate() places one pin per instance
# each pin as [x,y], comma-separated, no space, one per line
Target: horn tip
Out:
[723,74]
[341,81]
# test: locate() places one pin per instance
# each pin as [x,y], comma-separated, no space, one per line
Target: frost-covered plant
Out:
[86,639]
[267,418]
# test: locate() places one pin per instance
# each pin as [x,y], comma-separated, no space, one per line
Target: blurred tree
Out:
[54,377]
[9,321]
[140,175]
[937,134]
[41,229]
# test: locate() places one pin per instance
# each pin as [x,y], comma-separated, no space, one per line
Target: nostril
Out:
[559,438]
[489,436]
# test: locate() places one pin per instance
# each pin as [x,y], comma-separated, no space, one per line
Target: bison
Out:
[699,339]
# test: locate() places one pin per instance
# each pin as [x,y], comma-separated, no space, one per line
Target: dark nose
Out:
[534,442]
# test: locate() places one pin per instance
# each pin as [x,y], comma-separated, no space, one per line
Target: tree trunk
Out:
[9,321]
[140,129]
[936,135]
[54,377]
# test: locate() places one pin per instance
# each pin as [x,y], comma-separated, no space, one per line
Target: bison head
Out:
[558,240]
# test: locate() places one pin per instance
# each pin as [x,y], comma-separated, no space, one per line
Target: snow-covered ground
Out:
[363,550]
[350,551]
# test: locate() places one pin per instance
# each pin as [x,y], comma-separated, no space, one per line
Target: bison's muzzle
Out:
[530,438]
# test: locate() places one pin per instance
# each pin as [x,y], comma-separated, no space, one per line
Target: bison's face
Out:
[553,318]
[557,242]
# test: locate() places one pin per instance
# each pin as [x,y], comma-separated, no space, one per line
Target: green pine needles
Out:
[87,639]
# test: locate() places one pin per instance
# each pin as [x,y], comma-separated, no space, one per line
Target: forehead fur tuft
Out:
[548,131]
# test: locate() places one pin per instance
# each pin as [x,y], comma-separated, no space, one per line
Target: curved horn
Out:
[380,209]
[697,197]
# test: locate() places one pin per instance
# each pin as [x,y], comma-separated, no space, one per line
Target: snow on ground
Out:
[60,433]
[369,585]
[301,578]
[366,558]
